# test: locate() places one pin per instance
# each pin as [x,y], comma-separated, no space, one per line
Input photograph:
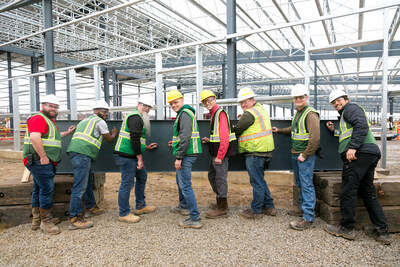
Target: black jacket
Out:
[355,115]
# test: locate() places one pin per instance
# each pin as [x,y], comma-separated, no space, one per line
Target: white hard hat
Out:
[245,93]
[50,99]
[146,99]
[299,90]
[101,104]
[335,94]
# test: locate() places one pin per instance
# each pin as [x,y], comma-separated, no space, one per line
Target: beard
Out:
[146,123]
[47,113]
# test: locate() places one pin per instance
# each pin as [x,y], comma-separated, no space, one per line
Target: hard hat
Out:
[335,94]
[101,104]
[299,90]
[206,94]
[173,95]
[146,99]
[50,99]
[245,93]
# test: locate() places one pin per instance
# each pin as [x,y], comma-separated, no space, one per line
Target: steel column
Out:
[223,81]
[231,56]
[97,82]
[106,83]
[159,87]
[35,69]
[10,90]
[315,85]
[68,86]
[16,130]
[32,95]
[199,80]
[307,58]
[384,84]
[72,94]
[48,47]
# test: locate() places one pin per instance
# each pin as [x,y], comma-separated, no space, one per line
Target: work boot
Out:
[147,209]
[47,225]
[213,206]
[93,211]
[338,230]
[188,223]
[269,211]
[301,225]
[249,214]
[221,211]
[36,219]
[296,213]
[380,235]
[130,218]
[180,210]
[79,222]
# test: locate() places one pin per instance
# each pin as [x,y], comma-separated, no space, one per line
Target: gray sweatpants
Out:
[217,175]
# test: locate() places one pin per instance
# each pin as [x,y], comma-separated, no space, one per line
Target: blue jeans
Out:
[129,171]
[303,176]
[186,194]
[261,195]
[43,184]
[83,178]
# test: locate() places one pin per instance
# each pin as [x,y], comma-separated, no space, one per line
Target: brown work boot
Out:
[269,211]
[47,225]
[79,222]
[130,218]
[301,225]
[213,206]
[249,214]
[221,211]
[296,213]
[35,219]
[93,211]
[147,209]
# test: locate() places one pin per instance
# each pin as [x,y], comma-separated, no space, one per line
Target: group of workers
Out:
[252,136]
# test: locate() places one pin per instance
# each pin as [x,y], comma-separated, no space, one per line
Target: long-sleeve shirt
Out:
[312,124]
[223,132]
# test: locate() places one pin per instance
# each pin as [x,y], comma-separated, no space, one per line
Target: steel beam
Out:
[384,85]
[35,69]
[106,84]
[16,130]
[199,80]
[231,55]
[159,87]
[48,47]
[72,94]
[10,90]
[97,82]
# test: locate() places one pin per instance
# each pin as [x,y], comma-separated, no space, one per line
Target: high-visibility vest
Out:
[84,141]
[124,138]
[195,143]
[258,137]
[346,131]
[300,134]
[52,143]
[214,135]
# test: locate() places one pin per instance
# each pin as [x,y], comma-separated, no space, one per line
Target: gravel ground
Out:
[157,240]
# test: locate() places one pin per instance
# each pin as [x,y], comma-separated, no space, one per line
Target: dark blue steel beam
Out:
[49,46]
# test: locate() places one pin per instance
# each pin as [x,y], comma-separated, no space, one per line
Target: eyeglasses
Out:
[52,106]
[299,97]
[208,101]
[146,106]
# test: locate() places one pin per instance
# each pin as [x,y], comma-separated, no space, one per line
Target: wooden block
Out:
[26,176]
[21,214]
[98,179]
[332,215]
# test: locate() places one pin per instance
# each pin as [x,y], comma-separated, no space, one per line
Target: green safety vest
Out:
[300,134]
[195,143]
[83,141]
[51,142]
[124,138]
[346,130]
[258,137]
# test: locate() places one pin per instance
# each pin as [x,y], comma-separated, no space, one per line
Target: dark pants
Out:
[358,176]
[217,176]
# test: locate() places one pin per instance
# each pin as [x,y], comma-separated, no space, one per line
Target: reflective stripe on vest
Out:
[302,133]
[346,133]
[215,137]
[127,135]
[51,139]
[263,133]
[86,135]
[123,142]
[194,138]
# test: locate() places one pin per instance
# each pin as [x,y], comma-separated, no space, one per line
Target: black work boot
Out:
[380,235]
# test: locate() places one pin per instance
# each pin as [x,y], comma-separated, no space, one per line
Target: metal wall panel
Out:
[161,159]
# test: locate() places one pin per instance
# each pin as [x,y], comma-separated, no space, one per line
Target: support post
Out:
[97,82]
[106,82]
[315,86]
[159,87]
[35,69]
[32,95]
[72,94]
[199,80]
[224,81]
[68,86]
[307,58]
[384,85]
[16,130]
[10,87]
[231,56]
[48,47]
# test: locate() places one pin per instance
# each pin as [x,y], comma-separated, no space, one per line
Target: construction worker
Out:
[222,145]
[360,155]
[83,150]
[128,152]
[186,145]
[305,134]
[255,139]
[42,153]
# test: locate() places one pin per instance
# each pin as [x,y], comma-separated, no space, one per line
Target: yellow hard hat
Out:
[206,94]
[173,95]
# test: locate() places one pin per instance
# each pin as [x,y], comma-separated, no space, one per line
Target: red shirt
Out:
[223,132]
[38,124]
